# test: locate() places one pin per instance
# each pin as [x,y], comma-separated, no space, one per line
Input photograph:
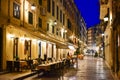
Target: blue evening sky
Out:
[89,10]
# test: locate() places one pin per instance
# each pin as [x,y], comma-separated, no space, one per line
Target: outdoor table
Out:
[48,66]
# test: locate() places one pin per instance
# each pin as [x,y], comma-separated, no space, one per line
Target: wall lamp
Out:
[106,18]
[55,22]
[33,7]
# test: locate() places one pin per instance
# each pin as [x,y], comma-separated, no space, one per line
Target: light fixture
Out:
[103,34]
[71,47]
[65,31]
[106,17]
[33,7]
[55,22]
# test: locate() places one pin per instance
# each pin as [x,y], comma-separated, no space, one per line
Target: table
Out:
[49,66]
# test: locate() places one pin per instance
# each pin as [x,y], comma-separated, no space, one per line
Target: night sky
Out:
[90,11]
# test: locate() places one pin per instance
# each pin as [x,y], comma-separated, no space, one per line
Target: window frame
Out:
[30,17]
[16,13]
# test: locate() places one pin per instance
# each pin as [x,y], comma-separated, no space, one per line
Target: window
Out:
[57,12]
[15,48]
[16,10]
[57,31]
[53,27]
[63,19]
[40,22]
[53,8]
[40,2]
[48,5]
[30,18]
[47,26]
[69,24]
[60,15]
[61,1]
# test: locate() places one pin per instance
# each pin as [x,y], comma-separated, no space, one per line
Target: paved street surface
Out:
[88,69]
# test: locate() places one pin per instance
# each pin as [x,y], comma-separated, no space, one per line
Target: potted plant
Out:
[79,54]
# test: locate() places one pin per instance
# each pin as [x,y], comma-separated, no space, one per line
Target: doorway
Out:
[15,49]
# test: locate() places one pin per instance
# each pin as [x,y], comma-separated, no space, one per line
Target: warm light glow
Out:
[27,38]
[65,31]
[38,41]
[106,19]
[103,34]
[71,47]
[22,38]
[71,36]
[55,22]
[10,36]
[33,7]
[62,30]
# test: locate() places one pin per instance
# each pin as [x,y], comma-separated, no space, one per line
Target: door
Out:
[15,49]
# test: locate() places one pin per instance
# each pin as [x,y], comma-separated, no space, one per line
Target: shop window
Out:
[16,10]
[30,18]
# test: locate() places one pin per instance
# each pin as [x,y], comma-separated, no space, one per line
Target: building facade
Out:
[32,28]
[110,13]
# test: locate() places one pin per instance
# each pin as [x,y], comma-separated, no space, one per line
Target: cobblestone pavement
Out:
[89,68]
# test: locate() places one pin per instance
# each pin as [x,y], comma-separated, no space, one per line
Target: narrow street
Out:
[89,68]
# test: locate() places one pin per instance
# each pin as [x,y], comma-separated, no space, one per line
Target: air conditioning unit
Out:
[42,11]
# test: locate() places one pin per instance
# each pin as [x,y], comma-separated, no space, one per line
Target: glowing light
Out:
[33,7]
[103,34]
[10,36]
[106,19]
[71,47]
[55,22]
[22,38]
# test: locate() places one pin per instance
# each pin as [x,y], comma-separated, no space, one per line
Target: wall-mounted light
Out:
[65,31]
[10,36]
[33,7]
[106,17]
[55,22]
[103,34]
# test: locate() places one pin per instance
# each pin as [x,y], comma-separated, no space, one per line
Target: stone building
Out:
[110,13]
[29,29]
